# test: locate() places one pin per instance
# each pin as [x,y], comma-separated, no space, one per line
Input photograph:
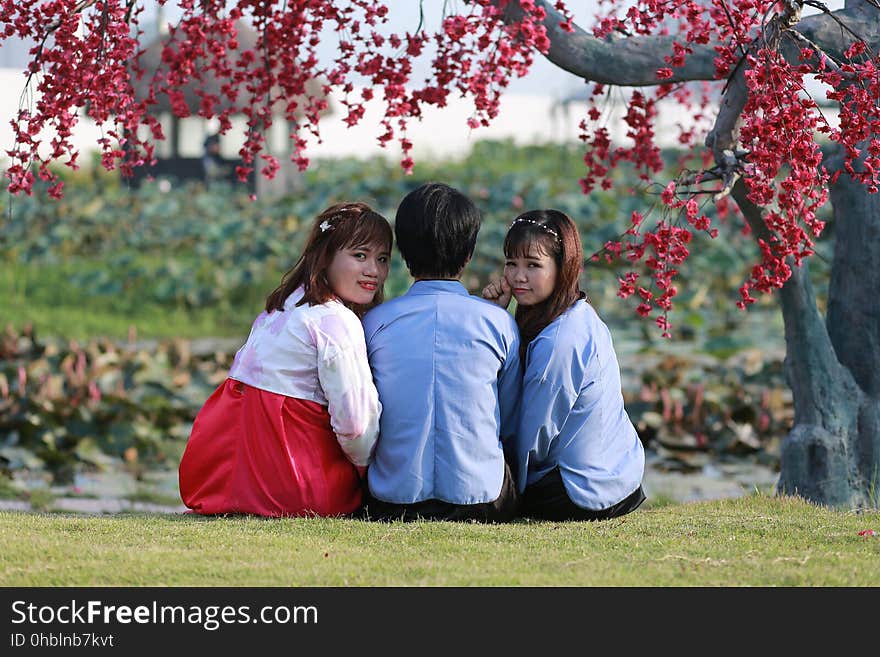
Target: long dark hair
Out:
[341,226]
[554,233]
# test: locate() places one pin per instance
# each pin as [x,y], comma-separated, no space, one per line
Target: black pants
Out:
[547,499]
[502,509]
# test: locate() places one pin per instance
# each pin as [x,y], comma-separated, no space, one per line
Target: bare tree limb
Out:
[819,59]
[632,61]
[626,61]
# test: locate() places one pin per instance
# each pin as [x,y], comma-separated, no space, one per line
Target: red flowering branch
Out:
[89,61]
[764,133]
[749,58]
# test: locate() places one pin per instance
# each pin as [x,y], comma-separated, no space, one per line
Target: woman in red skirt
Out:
[291,430]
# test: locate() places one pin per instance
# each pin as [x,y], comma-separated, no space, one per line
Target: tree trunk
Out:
[832,455]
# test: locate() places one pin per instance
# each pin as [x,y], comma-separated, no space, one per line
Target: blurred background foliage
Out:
[123,307]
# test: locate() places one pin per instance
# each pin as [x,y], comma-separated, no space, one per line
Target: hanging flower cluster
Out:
[781,162]
[80,61]
[88,52]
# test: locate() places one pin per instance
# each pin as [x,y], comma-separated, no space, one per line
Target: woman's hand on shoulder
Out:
[498,292]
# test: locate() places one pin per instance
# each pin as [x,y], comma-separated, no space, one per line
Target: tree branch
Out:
[625,61]
[632,61]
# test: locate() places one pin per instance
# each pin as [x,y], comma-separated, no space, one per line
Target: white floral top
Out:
[316,353]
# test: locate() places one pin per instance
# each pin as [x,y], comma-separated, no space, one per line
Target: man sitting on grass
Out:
[447,368]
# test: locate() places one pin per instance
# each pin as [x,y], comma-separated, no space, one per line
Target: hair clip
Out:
[326,225]
[544,227]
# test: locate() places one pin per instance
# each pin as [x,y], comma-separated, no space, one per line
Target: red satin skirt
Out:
[258,452]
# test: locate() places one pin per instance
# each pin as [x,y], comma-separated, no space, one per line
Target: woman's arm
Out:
[347,382]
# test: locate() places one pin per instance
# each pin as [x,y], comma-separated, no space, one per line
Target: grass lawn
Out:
[50,298]
[751,541]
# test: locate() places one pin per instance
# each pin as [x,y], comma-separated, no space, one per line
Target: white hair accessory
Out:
[326,225]
[544,227]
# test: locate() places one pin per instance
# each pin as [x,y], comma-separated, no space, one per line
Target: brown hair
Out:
[341,226]
[554,233]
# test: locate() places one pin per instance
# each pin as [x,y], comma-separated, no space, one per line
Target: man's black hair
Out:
[436,228]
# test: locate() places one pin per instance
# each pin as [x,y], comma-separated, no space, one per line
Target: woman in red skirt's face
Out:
[355,274]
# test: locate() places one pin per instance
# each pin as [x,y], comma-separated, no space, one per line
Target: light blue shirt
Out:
[447,368]
[572,413]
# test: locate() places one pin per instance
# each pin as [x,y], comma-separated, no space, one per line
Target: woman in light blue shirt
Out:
[577,454]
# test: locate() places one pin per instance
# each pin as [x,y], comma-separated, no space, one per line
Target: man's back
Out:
[447,368]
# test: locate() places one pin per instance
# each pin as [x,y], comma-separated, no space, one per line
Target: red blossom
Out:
[783,169]
[90,56]
[89,60]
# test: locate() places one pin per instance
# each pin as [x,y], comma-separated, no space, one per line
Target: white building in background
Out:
[441,133]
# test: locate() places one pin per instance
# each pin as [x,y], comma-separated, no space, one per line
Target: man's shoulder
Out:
[491,310]
[383,315]
[467,305]
[481,311]
[384,310]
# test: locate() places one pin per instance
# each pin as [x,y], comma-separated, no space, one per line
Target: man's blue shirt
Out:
[447,368]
